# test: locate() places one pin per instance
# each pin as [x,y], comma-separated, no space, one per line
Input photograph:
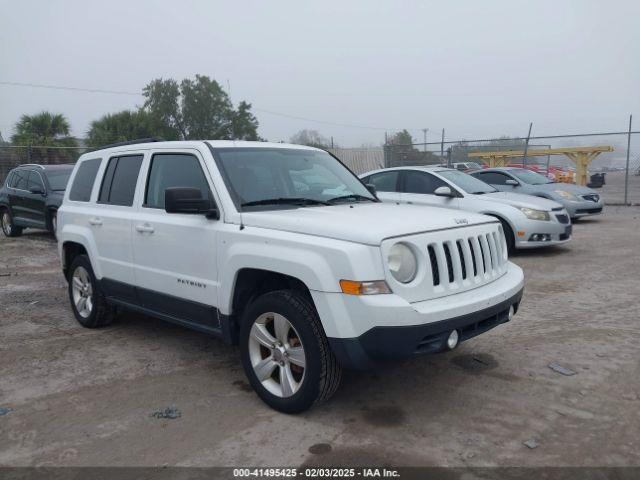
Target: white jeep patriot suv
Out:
[282,250]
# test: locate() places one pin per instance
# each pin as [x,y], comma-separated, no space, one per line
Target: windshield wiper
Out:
[353,196]
[284,201]
[479,193]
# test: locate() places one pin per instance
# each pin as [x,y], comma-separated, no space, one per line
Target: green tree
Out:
[120,127]
[43,129]
[311,138]
[197,109]
[401,138]
[39,132]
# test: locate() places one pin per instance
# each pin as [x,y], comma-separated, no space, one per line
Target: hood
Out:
[567,187]
[519,200]
[368,223]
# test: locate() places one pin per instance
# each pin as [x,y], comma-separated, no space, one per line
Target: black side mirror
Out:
[189,200]
[372,189]
[36,190]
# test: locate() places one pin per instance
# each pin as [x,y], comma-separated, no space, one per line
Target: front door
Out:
[175,254]
[419,188]
[34,203]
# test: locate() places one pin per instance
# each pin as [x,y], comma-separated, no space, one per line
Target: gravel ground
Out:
[102,397]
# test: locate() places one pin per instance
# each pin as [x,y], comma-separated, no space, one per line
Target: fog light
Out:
[452,341]
[512,312]
[540,237]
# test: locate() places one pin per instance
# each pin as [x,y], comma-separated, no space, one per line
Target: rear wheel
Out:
[54,223]
[8,227]
[285,353]
[87,301]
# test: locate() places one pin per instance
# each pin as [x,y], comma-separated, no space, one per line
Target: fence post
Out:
[626,170]
[526,147]
[29,154]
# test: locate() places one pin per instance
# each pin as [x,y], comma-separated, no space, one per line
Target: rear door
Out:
[387,185]
[112,222]
[17,191]
[419,188]
[175,254]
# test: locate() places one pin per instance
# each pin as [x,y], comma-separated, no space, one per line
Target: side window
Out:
[173,170]
[9,179]
[83,181]
[120,179]
[384,181]
[421,182]
[493,178]
[35,181]
[20,179]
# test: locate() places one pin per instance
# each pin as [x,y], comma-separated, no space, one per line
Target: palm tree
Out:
[45,129]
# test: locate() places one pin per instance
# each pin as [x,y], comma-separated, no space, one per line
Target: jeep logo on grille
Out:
[461,221]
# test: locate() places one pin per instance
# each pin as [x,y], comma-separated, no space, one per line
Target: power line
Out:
[73,89]
[138,94]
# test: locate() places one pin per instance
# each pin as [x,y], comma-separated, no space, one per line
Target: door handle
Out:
[95,221]
[145,228]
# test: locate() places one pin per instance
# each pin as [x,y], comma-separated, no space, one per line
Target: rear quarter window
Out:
[84,179]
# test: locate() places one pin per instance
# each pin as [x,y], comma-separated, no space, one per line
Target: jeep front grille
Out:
[454,261]
[484,255]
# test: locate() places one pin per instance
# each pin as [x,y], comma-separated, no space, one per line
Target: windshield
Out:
[58,179]
[532,178]
[466,182]
[474,165]
[268,178]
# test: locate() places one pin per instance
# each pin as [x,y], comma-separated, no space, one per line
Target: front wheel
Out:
[285,353]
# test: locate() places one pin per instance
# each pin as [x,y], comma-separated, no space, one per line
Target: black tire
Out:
[322,372]
[8,228]
[509,236]
[53,223]
[102,313]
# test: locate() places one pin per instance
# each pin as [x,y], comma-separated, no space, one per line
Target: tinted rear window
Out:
[119,183]
[83,181]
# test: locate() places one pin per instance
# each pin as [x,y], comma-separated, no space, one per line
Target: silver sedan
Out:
[579,201]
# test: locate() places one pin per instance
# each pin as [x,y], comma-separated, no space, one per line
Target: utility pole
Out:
[425,130]
[526,147]
[442,146]
[626,170]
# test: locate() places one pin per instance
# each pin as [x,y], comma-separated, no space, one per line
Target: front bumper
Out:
[559,233]
[394,343]
[584,208]
[364,330]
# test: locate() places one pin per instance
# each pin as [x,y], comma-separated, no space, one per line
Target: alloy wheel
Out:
[277,354]
[82,292]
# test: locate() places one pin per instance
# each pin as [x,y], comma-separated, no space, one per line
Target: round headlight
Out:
[402,263]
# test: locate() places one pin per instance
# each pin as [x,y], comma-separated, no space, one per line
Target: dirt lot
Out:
[83,397]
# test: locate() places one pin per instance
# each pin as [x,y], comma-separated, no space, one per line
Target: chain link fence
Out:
[621,180]
[607,171]
[13,155]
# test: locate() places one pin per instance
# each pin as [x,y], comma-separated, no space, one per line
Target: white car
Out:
[528,222]
[250,242]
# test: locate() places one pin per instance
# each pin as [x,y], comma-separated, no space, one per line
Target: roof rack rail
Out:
[131,142]
[31,165]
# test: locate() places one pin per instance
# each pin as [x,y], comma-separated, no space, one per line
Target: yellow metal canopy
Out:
[580,156]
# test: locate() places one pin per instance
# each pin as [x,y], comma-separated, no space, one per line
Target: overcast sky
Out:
[475,68]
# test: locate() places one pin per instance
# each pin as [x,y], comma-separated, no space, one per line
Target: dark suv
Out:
[30,197]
